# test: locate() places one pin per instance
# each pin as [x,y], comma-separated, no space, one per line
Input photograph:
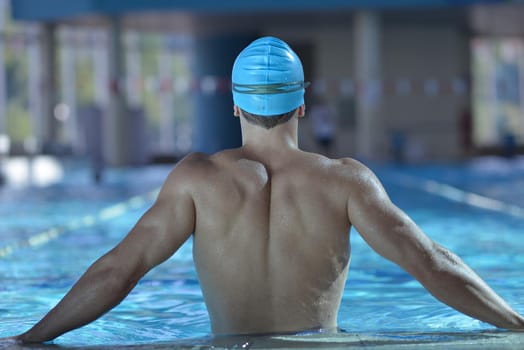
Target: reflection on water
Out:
[381,305]
[384,341]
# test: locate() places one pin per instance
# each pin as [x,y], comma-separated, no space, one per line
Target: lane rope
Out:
[105,214]
[429,186]
[455,194]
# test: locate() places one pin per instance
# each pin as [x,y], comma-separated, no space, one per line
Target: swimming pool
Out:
[50,235]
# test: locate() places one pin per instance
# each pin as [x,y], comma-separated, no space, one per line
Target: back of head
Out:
[268,78]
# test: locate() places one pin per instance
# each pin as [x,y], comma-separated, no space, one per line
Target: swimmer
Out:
[270,225]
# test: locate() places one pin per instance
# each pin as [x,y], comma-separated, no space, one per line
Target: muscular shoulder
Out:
[198,170]
[347,169]
[358,177]
[194,163]
[189,171]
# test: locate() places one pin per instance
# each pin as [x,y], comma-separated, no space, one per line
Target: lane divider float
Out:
[455,194]
[104,214]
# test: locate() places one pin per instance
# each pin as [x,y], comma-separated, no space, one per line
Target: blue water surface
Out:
[167,303]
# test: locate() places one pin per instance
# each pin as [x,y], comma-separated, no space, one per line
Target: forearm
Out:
[454,283]
[101,288]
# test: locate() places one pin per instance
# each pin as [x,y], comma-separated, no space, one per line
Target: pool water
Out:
[50,235]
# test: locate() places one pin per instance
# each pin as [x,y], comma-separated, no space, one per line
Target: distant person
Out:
[509,142]
[270,226]
[323,122]
[94,140]
[466,126]
[398,146]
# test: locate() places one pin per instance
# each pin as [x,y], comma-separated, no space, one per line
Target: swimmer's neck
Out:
[277,139]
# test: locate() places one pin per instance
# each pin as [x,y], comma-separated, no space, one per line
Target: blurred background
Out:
[98,98]
[128,83]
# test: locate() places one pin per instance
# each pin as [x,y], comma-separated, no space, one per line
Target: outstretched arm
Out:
[156,236]
[392,234]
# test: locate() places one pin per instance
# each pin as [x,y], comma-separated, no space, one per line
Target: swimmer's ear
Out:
[301,111]
[236,111]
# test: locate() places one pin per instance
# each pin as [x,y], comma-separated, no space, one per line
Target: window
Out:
[498,91]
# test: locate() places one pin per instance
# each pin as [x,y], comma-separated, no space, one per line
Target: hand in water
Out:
[10,343]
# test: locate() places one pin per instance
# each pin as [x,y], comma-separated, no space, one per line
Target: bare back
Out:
[271,242]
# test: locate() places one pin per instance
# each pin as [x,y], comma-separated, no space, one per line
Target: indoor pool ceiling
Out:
[61,9]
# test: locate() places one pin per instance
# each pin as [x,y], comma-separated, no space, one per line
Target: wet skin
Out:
[271,242]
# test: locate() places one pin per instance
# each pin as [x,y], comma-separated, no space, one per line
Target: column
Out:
[115,125]
[3,91]
[166,143]
[135,127]
[215,127]
[368,66]
[34,83]
[4,139]
[49,85]
[100,59]
[133,70]
[68,53]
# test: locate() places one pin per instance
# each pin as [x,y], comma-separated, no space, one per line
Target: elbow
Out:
[120,281]
[120,276]
[430,264]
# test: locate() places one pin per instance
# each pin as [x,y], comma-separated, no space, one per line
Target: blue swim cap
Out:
[268,78]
